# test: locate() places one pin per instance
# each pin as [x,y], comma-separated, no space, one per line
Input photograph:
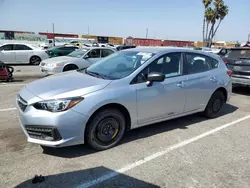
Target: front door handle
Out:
[181,84]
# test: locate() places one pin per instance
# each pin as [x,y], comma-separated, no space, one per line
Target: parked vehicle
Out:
[14,53]
[124,47]
[61,50]
[238,60]
[78,59]
[221,52]
[127,90]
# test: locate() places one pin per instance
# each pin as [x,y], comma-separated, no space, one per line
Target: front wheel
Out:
[105,129]
[214,105]
[70,68]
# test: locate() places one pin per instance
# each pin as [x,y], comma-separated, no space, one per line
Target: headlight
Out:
[57,105]
[53,64]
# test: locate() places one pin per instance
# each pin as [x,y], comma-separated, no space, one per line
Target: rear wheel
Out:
[105,129]
[35,60]
[70,68]
[215,104]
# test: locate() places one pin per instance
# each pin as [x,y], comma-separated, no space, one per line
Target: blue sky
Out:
[165,19]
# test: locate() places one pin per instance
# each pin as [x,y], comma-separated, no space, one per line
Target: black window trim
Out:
[14,45]
[133,81]
[8,45]
[185,71]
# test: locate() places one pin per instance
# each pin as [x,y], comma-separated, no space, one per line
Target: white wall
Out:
[21,41]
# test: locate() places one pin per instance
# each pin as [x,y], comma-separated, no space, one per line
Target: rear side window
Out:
[197,63]
[95,53]
[106,52]
[21,47]
[238,53]
[7,47]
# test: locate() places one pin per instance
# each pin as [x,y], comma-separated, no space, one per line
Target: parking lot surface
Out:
[186,152]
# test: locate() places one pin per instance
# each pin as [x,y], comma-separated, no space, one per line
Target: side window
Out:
[213,62]
[21,47]
[95,53]
[7,47]
[197,63]
[106,52]
[169,64]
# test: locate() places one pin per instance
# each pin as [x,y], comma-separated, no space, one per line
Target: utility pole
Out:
[88,30]
[53,28]
[146,33]
[248,37]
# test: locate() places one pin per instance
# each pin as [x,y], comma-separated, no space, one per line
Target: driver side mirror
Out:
[155,77]
[86,56]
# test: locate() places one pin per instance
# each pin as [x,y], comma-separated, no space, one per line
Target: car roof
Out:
[96,47]
[161,50]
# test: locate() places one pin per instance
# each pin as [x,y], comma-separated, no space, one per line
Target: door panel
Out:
[199,89]
[161,100]
[22,53]
[6,54]
[202,74]
[22,56]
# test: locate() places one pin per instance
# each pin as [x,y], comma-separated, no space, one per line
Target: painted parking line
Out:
[158,154]
[7,109]
[9,85]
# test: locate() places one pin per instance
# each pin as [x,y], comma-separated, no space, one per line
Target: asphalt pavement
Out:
[186,152]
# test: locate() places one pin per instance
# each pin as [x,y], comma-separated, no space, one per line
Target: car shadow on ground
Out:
[136,134]
[242,90]
[81,177]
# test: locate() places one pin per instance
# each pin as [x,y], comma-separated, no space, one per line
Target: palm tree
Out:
[206,4]
[211,15]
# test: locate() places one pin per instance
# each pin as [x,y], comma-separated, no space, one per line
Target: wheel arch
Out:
[224,91]
[117,106]
[70,64]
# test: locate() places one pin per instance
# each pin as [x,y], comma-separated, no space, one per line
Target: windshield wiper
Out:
[95,74]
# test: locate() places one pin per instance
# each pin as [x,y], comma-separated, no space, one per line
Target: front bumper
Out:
[241,81]
[52,129]
[51,70]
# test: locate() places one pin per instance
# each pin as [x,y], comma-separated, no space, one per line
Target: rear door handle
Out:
[214,79]
[181,84]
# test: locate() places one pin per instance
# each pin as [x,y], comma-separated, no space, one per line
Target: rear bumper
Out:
[240,81]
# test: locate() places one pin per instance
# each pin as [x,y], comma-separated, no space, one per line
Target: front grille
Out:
[21,103]
[43,133]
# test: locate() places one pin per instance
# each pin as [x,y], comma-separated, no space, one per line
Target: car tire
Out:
[105,129]
[70,68]
[35,60]
[214,105]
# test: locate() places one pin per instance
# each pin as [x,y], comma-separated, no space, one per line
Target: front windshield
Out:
[78,53]
[120,64]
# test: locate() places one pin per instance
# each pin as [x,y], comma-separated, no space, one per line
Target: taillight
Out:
[224,60]
[229,72]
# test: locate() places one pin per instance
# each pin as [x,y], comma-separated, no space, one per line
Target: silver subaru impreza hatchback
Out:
[124,91]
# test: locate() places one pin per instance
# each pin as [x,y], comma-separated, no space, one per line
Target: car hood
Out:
[61,59]
[67,84]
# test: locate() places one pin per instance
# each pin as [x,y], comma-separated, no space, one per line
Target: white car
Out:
[78,59]
[17,53]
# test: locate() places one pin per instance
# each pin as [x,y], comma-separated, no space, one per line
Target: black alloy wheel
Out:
[105,129]
[215,104]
